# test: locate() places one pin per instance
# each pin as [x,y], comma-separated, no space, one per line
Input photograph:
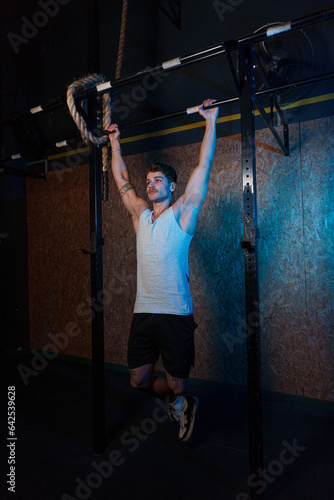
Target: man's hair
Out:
[168,171]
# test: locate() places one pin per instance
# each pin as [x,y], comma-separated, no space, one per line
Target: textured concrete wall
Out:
[295,199]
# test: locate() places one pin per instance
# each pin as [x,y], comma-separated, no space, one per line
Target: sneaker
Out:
[172,413]
[186,418]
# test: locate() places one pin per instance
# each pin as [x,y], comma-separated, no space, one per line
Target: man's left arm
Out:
[188,205]
[197,186]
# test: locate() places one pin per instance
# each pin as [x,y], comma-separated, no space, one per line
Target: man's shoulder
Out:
[138,213]
[177,205]
[183,206]
[186,214]
[141,208]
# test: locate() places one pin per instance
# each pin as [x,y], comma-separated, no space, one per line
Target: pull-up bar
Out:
[183,112]
[56,103]
[232,100]
[261,93]
[178,62]
[222,48]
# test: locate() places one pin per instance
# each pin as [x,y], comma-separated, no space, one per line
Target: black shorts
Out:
[170,335]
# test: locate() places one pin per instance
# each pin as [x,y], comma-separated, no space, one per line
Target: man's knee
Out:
[140,380]
[178,385]
[139,385]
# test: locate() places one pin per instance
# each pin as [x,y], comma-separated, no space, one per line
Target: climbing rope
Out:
[107,103]
[121,40]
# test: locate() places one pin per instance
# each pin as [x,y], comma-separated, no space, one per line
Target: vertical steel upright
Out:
[249,244]
[95,196]
[96,256]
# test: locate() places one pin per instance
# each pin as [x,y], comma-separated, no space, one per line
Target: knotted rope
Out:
[107,103]
[86,134]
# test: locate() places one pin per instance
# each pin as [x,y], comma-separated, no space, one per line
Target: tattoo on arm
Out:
[124,189]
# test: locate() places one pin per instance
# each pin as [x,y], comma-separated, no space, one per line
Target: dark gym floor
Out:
[144,458]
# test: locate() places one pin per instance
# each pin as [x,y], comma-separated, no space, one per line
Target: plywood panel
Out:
[59,276]
[281,263]
[316,345]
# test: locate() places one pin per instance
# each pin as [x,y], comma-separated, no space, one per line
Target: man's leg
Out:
[141,347]
[182,408]
[177,386]
[144,378]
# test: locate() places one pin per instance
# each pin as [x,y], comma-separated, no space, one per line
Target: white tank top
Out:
[162,266]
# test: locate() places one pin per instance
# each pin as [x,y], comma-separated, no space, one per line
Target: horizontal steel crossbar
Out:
[179,62]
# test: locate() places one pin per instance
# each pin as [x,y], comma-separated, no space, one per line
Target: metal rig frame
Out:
[248,97]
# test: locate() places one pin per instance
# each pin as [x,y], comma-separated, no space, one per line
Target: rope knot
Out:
[87,135]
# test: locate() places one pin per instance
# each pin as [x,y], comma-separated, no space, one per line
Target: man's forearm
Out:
[118,166]
[208,145]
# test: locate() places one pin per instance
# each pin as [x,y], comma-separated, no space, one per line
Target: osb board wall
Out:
[296,220]
[59,273]
[295,198]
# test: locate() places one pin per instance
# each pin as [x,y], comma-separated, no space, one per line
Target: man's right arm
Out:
[133,203]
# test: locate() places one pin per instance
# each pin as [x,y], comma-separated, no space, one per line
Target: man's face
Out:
[158,187]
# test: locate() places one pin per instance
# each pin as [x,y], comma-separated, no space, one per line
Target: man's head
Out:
[168,171]
[160,182]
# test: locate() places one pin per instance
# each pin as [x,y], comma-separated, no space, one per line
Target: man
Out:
[162,322]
